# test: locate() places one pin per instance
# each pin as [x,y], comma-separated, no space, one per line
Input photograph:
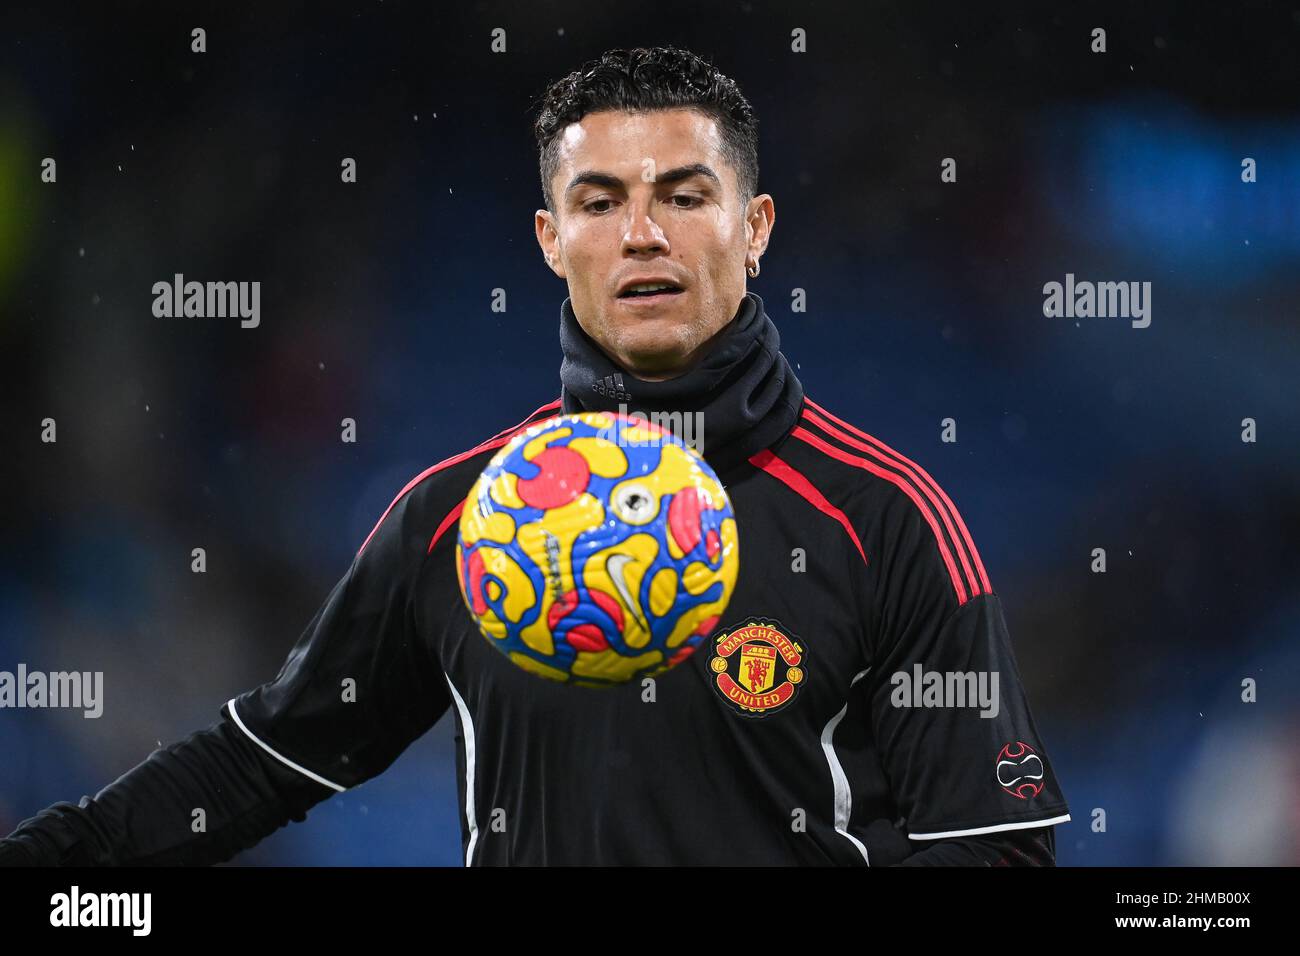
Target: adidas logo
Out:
[611,386]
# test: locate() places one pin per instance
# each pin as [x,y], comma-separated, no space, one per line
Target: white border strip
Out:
[996,828]
[839,780]
[467,732]
[280,757]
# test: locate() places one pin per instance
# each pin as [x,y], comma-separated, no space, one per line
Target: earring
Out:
[753,270]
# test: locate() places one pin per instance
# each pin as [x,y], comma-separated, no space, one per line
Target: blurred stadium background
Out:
[925,303]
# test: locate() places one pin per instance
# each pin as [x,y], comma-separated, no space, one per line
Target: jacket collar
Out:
[739,399]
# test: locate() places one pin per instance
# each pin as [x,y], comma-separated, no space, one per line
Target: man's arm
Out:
[891,847]
[1036,847]
[147,816]
[967,769]
[358,687]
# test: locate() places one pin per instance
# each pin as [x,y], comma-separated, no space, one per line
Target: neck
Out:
[738,397]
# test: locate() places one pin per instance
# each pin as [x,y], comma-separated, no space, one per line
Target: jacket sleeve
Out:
[358,687]
[363,681]
[1035,847]
[147,816]
[949,713]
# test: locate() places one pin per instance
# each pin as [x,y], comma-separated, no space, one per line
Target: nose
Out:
[642,235]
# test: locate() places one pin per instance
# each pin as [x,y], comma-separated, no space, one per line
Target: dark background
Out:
[925,302]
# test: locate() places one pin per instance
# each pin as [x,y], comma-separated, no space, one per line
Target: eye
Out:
[634,504]
[591,206]
[691,201]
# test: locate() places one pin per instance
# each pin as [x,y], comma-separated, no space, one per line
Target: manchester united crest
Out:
[758,667]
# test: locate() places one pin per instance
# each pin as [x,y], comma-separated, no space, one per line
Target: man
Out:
[857,577]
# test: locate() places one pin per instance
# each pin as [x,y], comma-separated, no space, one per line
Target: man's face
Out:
[643,196]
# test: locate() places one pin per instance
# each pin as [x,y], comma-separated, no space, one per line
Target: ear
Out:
[548,238]
[760,217]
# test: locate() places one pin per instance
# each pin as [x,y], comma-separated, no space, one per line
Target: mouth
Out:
[662,293]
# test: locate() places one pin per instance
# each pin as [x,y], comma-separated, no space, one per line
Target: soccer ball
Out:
[597,548]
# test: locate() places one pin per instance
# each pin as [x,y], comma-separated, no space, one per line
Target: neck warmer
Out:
[744,390]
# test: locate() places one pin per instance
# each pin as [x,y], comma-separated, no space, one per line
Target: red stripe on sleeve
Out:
[452,517]
[924,477]
[501,438]
[795,481]
[926,487]
[848,458]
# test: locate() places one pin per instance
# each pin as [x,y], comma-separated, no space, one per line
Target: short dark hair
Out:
[642,80]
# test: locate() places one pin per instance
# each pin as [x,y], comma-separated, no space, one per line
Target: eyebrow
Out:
[591,177]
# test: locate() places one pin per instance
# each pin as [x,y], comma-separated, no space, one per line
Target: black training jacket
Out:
[859,586]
